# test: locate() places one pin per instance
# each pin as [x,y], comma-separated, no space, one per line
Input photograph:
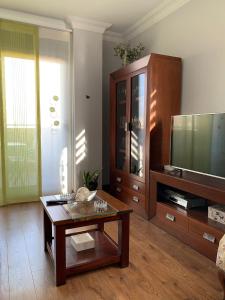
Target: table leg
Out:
[47,230]
[123,240]
[60,255]
[100,227]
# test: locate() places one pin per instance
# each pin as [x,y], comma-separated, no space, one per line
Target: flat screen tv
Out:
[198,143]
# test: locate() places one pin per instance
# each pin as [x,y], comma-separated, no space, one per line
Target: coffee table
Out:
[57,242]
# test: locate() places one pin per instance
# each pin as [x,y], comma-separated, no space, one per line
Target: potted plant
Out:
[128,54]
[90,179]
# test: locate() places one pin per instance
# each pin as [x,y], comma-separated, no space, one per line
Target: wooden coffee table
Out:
[66,260]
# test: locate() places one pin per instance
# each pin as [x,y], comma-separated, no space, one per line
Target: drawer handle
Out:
[170,217]
[135,187]
[118,189]
[118,179]
[209,237]
[135,199]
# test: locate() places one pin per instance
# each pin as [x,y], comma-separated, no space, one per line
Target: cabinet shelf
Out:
[138,128]
[138,99]
[122,150]
[122,102]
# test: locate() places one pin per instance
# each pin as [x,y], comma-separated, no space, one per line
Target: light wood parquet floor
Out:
[161,267]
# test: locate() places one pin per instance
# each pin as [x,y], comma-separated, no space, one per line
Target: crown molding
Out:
[57,35]
[18,16]
[155,15]
[112,36]
[87,24]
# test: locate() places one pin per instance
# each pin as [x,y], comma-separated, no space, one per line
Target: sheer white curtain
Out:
[55,103]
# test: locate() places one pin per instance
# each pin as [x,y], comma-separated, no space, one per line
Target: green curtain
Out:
[20,161]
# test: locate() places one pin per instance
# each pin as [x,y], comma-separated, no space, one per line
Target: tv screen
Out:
[198,143]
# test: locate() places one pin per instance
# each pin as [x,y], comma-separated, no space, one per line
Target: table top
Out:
[58,215]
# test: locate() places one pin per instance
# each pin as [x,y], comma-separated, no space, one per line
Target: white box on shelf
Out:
[217,213]
[82,241]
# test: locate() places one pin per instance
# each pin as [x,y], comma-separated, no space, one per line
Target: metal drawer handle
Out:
[135,187]
[118,179]
[118,189]
[209,237]
[135,199]
[170,217]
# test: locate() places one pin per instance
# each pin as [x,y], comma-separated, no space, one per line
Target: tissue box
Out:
[217,213]
[82,241]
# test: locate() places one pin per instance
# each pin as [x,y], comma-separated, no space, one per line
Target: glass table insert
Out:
[87,210]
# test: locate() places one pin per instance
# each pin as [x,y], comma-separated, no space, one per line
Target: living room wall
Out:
[195,33]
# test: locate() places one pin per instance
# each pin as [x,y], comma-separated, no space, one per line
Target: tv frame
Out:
[184,169]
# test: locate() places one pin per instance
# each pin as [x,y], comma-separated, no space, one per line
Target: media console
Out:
[191,226]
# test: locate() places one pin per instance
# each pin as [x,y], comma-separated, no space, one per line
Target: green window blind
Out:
[20,160]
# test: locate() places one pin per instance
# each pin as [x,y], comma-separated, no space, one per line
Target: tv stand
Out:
[191,226]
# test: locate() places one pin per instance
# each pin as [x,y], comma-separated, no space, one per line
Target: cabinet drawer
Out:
[136,186]
[129,195]
[207,233]
[117,189]
[171,217]
[117,178]
[133,185]
[134,199]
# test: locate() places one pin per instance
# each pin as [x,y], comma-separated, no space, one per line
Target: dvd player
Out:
[186,200]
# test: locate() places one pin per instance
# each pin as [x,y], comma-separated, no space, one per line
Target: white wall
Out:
[196,33]
[110,64]
[88,112]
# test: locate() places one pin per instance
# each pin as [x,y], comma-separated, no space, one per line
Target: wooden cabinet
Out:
[191,226]
[143,95]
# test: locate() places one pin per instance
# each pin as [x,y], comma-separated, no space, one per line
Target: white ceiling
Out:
[121,13]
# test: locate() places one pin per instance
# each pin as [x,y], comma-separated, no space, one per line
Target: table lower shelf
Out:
[106,252]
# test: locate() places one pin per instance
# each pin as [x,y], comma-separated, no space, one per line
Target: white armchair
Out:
[220,262]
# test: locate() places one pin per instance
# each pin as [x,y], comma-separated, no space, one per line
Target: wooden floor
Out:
[161,267]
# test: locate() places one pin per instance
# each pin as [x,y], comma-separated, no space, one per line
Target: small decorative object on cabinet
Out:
[128,54]
[217,213]
[144,95]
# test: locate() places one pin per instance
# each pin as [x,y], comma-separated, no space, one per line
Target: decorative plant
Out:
[129,54]
[90,179]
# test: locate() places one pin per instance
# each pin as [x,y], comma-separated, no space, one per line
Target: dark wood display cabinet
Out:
[191,226]
[144,95]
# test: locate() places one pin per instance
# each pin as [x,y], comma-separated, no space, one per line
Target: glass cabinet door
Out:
[137,128]
[121,104]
